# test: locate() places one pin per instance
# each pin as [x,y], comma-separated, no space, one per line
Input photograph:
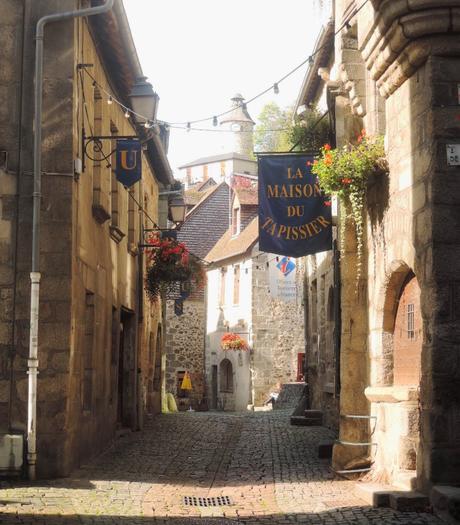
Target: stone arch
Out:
[391,289]
[226,376]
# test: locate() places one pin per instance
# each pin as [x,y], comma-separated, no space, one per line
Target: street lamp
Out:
[144,101]
[177,210]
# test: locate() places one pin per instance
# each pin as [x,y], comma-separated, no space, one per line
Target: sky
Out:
[198,53]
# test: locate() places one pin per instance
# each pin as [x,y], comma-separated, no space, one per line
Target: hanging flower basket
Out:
[347,172]
[231,341]
[170,263]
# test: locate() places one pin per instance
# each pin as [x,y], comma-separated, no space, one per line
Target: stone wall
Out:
[320,342]
[11,35]
[184,347]
[89,280]
[278,333]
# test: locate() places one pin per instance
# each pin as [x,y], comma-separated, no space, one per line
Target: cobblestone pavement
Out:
[268,469]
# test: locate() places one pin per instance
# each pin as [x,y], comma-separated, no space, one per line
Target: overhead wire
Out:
[274,86]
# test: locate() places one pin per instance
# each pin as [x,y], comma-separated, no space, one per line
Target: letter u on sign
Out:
[129,162]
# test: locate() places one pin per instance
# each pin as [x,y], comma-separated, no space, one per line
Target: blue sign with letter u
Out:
[294,216]
[129,161]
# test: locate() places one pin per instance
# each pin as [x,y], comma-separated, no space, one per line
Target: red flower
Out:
[308,163]
[346,181]
[327,203]
[327,147]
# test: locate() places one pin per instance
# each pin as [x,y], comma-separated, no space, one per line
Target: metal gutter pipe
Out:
[35,273]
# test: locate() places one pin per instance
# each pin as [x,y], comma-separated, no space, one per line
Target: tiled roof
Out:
[217,158]
[202,197]
[207,221]
[247,196]
[228,246]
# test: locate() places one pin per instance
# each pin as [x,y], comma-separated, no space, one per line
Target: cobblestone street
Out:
[267,468]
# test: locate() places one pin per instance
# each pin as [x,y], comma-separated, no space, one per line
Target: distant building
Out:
[239,158]
[218,167]
[259,297]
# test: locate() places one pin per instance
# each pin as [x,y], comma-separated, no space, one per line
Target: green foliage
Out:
[307,133]
[345,172]
[272,117]
[310,131]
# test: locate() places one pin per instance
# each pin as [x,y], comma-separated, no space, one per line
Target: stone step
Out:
[446,499]
[405,480]
[382,495]
[306,422]
[411,501]
[325,450]
[375,494]
[309,413]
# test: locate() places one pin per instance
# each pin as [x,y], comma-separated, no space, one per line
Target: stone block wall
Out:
[11,36]
[184,347]
[320,343]
[278,334]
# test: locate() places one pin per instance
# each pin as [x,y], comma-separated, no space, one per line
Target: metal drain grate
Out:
[218,501]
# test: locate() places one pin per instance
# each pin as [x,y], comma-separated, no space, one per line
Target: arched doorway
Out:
[407,335]
[395,379]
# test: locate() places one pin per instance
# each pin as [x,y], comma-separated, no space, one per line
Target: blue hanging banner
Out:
[294,216]
[129,161]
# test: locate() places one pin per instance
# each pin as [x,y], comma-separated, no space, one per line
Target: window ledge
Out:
[392,394]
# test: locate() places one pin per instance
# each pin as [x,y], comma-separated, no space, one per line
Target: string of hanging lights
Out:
[187,125]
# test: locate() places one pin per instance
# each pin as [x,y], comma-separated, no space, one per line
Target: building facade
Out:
[257,296]
[99,338]
[393,71]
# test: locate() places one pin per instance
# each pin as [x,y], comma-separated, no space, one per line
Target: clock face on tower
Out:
[236,127]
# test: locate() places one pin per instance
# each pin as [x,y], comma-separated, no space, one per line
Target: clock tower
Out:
[241,124]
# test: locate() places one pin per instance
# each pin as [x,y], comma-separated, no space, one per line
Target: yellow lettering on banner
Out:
[304,231]
[295,211]
[267,222]
[272,191]
[325,223]
[124,159]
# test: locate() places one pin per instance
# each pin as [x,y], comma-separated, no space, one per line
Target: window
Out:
[223,278]
[205,172]
[236,218]
[411,321]
[101,169]
[222,169]
[188,175]
[87,354]
[236,284]
[226,376]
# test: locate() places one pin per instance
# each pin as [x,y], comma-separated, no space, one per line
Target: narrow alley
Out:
[267,470]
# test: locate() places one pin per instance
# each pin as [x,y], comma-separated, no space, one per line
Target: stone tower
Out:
[242,125]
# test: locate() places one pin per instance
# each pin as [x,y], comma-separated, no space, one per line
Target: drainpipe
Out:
[35,275]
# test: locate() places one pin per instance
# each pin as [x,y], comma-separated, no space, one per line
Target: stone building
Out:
[99,339]
[219,167]
[394,71]
[185,333]
[254,295]
[322,337]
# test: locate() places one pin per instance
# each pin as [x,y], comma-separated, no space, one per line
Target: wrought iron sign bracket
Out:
[97,144]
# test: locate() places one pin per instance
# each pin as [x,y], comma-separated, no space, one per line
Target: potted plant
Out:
[232,341]
[169,263]
[346,172]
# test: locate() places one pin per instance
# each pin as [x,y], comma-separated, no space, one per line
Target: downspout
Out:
[35,273]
